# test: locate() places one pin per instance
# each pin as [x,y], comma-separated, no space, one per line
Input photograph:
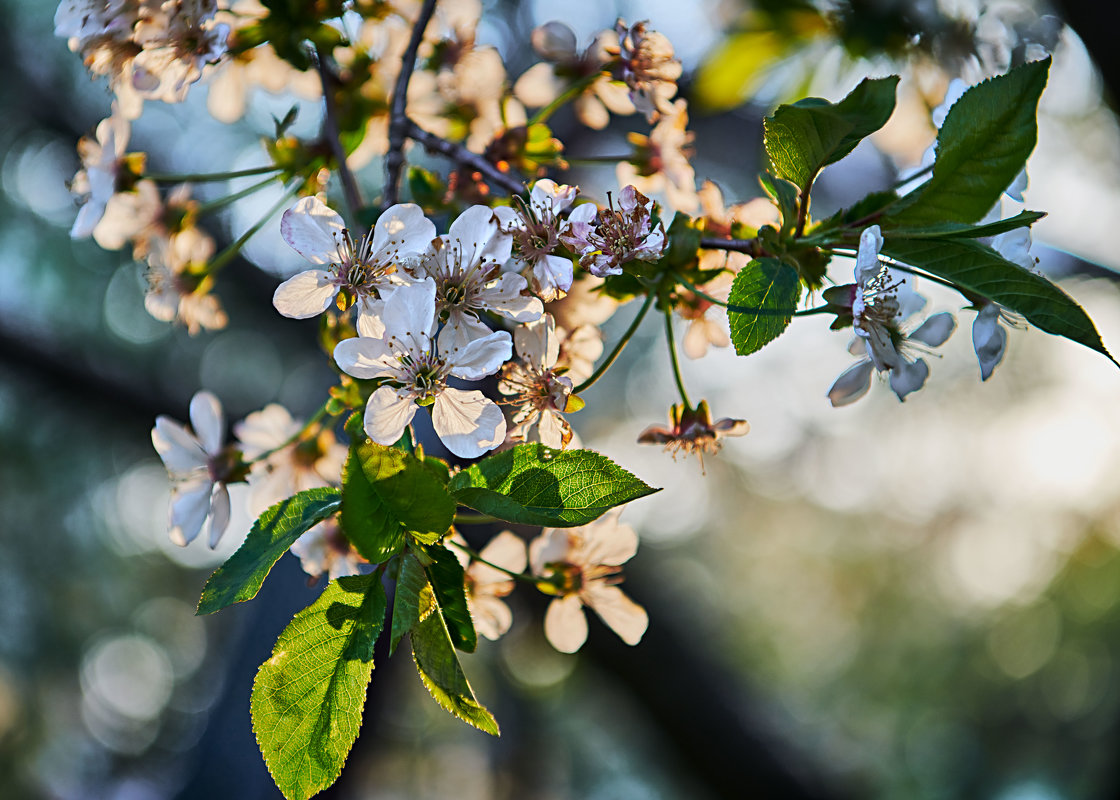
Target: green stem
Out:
[673,357]
[517,576]
[206,177]
[699,293]
[906,180]
[214,205]
[808,312]
[597,159]
[573,91]
[230,252]
[598,373]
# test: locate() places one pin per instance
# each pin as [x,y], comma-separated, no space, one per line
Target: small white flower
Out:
[198,467]
[536,228]
[325,548]
[416,367]
[364,269]
[609,238]
[584,565]
[661,162]
[540,392]
[102,159]
[486,586]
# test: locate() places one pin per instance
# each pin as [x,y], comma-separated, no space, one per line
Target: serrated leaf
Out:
[985,141]
[803,138]
[308,697]
[410,602]
[443,676]
[760,307]
[982,271]
[445,574]
[241,577]
[387,493]
[536,485]
[784,194]
[963,230]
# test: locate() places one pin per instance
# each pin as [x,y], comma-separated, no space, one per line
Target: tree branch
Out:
[748,246]
[330,123]
[511,182]
[398,119]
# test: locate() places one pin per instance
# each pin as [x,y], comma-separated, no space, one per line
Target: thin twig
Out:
[204,177]
[510,181]
[330,124]
[398,118]
[748,246]
[598,373]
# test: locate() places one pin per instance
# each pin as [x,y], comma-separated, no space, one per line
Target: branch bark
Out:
[511,182]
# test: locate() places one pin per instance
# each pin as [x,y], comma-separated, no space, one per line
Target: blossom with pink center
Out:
[648,68]
[535,228]
[415,364]
[612,237]
[199,468]
[582,567]
[362,269]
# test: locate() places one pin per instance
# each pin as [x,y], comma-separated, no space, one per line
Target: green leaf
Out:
[307,699]
[963,230]
[761,304]
[443,676]
[981,270]
[803,138]
[536,485]
[411,600]
[387,492]
[445,574]
[241,577]
[784,195]
[985,141]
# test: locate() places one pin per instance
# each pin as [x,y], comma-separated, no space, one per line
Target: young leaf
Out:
[761,304]
[411,600]
[241,577]
[981,270]
[442,674]
[448,582]
[983,145]
[386,492]
[962,230]
[536,485]
[803,138]
[784,195]
[307,699]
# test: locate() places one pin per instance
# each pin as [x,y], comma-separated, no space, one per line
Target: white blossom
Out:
[486,586]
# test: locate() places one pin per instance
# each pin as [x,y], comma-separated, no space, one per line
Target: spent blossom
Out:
[362,269]
[647,66]
[416,364]
[582,567]
[199,468]
[691,430]
[535,228]
[615,236]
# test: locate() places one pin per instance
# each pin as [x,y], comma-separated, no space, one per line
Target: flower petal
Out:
[190,505]
[565,625]
[219,513]
[621,614]
[305,295]
[505,298]
[179,450]
[402,232]
[409,317]
[365,357]
[935,330]
[867,258]
[506,550]
[492,616]
[313,230]
[480,357]
[208,421]
[852,384]
[387,415]
[909,377]
[468,423]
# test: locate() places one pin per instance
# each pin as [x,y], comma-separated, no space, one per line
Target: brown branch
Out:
[330,124]
[509,181]
[398,120]
[748,246]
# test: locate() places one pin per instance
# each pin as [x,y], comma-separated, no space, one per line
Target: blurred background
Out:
[888,600]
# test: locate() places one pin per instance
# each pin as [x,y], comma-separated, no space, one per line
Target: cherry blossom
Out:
[486,585]
[648,68]
[613,237]
[540,393]
[661,163]
[535,228]
[583,568]
[102,163]
[692,430]
[415,365]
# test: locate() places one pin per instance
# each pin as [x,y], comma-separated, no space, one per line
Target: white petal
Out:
[219,513]
[852,384]
[608,542]
[909,377]
[370,313]
[506,550]
[208,421]
[402,232]
[364,357]
[190,505]
[180,451]
[867,258]
[492,617]
[481,239]
[551,275]
[313,230]
[935,330]
[481,357]
[505,298]
[305,295]
[538,86]
[468,423]
[461,329]
[537,342]
[565,625]
[387,415]
[621,614]
[410,316]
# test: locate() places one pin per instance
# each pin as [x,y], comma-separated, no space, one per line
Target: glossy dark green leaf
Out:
[763,299]
[411,600]
[963,230]
[445,574]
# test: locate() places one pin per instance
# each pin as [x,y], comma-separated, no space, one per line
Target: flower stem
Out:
[618,348]
[597,159]
[207,177]
[903,181]
[228,254]
[214,205]
[673,357]
[748,246]
[398,108]
[573,91]
[517,576]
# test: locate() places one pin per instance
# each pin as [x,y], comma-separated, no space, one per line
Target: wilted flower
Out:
[582,567]
[416,367]
[691,430]
[648,68]
[613,237]
[199,468]
[486,586]
[536,227]
[360,269]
